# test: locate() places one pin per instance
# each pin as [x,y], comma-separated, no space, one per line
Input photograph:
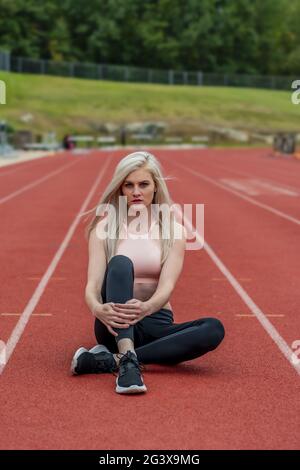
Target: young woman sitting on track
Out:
[131,276]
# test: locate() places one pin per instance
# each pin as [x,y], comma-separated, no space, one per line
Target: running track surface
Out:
[244,395]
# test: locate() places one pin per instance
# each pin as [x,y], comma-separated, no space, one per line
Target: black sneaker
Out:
[130,379]
[97,360]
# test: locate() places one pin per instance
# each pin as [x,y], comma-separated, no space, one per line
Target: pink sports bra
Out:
[145,253]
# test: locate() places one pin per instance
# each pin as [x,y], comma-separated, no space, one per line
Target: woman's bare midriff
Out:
[143,292]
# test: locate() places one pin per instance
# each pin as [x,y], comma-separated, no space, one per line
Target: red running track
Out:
[244,395]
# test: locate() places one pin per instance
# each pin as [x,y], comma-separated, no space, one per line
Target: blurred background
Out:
[130,72]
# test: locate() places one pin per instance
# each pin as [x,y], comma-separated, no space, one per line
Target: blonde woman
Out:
[132,272]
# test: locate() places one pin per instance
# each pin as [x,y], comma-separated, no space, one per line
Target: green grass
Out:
[75,105]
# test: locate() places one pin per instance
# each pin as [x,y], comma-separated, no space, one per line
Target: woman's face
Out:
[139,187]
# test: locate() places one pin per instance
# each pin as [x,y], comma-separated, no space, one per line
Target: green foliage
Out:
[242,36]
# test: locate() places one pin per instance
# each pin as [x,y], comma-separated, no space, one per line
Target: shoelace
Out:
[130,358]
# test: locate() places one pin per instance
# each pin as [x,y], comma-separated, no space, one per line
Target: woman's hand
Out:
[133,307]
[111,318]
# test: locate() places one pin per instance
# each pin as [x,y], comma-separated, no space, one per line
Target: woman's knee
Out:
[216,331]
[120,265]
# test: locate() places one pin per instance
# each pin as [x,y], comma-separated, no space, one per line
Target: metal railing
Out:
[138,74]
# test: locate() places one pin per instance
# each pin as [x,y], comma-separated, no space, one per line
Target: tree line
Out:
[222,36]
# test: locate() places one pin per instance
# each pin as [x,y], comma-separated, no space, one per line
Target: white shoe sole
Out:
[131,389]
[99,348]
[75,359]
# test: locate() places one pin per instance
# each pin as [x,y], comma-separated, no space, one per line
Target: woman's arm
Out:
[96,271]
[95,277]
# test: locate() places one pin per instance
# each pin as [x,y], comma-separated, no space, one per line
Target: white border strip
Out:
[20,326]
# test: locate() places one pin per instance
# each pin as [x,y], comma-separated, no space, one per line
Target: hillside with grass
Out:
[43,103]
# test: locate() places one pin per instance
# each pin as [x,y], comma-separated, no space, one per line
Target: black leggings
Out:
[157,339]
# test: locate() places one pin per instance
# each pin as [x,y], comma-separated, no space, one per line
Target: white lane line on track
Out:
[31,305]
[52,278]
[248,174]
[224,279]
[245,315]
[257,187]
[29,164]
[273,188]
[35,183]
[259,314]
[241,196]
[239,185]
[275,315]
[19,314]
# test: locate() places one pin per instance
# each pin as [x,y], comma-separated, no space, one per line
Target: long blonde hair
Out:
[127,165]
